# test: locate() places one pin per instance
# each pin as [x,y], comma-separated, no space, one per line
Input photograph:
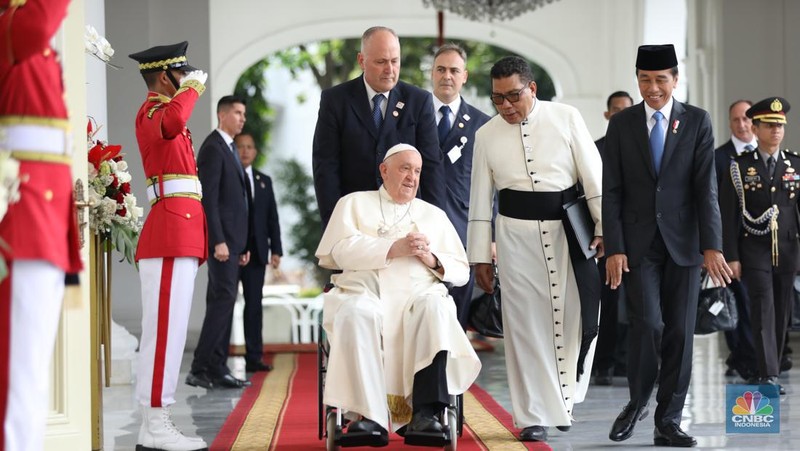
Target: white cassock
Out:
[386,319]
[550,151]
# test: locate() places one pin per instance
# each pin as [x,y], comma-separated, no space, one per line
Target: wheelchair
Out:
[331,420]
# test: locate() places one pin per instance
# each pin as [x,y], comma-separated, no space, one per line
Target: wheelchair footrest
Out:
[437,439]
[374,439]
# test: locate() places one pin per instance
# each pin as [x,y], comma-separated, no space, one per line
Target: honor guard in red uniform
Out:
[758,202]
[173,242]
[39,231]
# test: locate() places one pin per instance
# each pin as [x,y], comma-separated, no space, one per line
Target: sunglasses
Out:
[498,99]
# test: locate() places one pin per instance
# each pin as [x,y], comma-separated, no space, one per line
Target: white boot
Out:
[158,433]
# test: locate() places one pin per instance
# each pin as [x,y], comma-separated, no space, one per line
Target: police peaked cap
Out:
[771,109]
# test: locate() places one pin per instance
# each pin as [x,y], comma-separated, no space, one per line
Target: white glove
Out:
[198,75]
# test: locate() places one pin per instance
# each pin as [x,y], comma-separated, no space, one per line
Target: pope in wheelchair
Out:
[397,351]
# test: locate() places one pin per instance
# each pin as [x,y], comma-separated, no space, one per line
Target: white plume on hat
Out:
[397,148]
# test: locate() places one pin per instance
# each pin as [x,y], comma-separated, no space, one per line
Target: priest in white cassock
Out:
[397,348]
[534,153]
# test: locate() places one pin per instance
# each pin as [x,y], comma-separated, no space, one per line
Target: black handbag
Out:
[485,313]
[716,308]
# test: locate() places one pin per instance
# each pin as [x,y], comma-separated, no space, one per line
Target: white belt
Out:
[176,186]
[35,138]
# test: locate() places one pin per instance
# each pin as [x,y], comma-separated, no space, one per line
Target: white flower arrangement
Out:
[114,214]
[98,46]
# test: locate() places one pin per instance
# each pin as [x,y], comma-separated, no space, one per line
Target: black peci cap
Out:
[163,57]
[656,57]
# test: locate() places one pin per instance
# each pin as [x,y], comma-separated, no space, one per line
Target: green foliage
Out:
[298,193]
[124,241]
[259,115]
[331,62]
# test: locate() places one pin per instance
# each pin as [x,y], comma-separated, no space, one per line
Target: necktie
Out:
[657,140]
[377,116]
[748,147]
[771,166]
[444,123]
[241,172]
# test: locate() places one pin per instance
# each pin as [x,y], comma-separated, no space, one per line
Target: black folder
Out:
[582,223]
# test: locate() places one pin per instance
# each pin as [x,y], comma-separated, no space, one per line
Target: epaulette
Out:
[792,152]
[152,110]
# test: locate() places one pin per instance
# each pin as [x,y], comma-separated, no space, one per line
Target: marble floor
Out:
[203,413]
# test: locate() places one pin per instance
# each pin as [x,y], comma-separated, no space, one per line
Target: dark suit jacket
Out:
[468,120]
[680,203]
[722,160]
[754,251]
[265,232]
[223,194]
[601,146]
[348,148]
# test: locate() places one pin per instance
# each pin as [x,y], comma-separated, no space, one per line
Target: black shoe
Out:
[622,429]
[252,367]
[673,435]
[773,380]
[603,379]
[228,381]
[786,363]
[365,432]
[200,380]
[421,422]
[533,434]
[564,428]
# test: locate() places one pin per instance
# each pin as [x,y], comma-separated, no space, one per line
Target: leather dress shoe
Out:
[673,435]
[252,367]
[786,363]
[421,422]
[533,434]
[228,381]
[771,380]
[622,429]
[366,425]
[564,428]
[199,380]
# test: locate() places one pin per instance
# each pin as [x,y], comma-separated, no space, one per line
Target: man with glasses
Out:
[534,153]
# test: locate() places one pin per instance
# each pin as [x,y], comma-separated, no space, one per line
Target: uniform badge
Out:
[751,171]
[460,125]
[466,117]
[395,113]
[776,106]
[400,105]
[789,170]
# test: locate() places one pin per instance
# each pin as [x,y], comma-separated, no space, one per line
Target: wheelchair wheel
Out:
[452,421]
[332,432]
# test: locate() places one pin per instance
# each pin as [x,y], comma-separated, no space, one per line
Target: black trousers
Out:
[211,354]
[662,302]
[611,350]
[252,276]
[430,386]
[771,295]
[740,340]
[462,296]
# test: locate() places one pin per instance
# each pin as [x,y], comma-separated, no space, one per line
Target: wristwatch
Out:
[438,264]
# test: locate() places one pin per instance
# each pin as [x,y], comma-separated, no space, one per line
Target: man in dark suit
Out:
[225,203]
[761,239]
[457,123]
[740,340]
[610,353]
[264,246]
[362,118]
[661,222]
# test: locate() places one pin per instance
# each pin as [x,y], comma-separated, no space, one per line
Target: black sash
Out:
[548,206]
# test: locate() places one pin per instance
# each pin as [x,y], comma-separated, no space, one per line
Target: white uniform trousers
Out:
[30,308]
[167,287]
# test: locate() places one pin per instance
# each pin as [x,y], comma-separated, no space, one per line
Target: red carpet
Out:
[279,412]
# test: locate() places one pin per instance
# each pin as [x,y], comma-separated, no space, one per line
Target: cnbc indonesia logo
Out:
[752,410]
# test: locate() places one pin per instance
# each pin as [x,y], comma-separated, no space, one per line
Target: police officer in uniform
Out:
[173,242]
[760,231]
